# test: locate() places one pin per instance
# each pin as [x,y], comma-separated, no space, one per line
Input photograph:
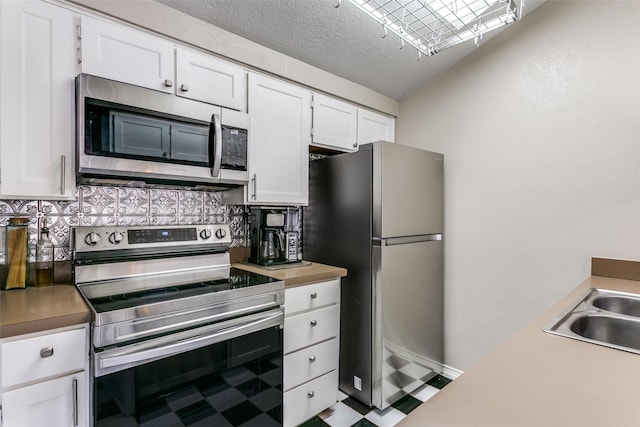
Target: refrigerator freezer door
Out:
[408,342]
[408,196]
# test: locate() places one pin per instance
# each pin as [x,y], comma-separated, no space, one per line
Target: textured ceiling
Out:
[342,40]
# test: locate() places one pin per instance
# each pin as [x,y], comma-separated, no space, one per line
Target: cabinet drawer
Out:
[43,356]
[311,296]
[311,362]
[312,327]
[309,399]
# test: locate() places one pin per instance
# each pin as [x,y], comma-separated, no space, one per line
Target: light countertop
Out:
[297,275]
[23,311]
[536,379]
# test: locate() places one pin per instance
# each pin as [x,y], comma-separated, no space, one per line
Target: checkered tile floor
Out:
[351,413]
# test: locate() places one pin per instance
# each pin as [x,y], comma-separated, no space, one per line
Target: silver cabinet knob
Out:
[311,394]
[312,359]
[168,83]
[46,352]
[184,87]
[314,295]
[313,322]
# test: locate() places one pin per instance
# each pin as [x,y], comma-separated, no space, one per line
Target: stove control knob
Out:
[116,237]
[205,234]
[92,238]
[220,233]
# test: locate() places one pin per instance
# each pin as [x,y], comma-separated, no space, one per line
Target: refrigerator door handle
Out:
[390,241]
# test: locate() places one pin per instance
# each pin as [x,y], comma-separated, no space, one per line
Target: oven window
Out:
[234,383]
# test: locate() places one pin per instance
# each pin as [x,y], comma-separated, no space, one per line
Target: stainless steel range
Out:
[179,336]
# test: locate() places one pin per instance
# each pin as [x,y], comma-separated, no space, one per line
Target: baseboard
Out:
[451,372]
[445,370]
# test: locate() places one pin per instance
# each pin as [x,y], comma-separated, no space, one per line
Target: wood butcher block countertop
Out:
[536,379]
[23,311]
[297,275]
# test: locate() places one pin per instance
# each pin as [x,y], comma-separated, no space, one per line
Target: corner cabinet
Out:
[374,126]
[335,123]
[44,379]
[341,126]
[37,106]
[279,137]
[311,350]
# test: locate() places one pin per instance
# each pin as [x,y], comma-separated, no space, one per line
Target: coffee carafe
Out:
[270,246]
[274,234]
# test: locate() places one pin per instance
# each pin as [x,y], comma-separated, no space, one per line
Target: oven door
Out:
[224,374]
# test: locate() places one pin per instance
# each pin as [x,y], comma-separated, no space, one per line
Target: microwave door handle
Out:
[216,140]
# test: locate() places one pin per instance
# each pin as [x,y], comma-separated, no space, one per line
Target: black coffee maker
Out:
[275,235]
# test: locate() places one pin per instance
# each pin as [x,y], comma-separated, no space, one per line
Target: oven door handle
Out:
[204,336]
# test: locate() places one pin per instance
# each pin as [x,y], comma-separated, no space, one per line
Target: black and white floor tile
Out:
[348,412]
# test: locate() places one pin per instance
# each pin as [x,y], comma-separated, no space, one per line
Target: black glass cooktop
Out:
[237,279]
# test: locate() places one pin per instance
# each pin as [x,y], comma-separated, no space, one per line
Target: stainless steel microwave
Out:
[127,133]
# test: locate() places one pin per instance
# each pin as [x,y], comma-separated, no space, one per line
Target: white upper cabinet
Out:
[335,123]
[209,79]
[374,126]
[37,106]
[128,55]
[279,138]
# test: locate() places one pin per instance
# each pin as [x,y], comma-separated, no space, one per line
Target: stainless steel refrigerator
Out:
[379,213]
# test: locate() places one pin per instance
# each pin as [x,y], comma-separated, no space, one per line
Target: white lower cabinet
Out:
[44,379]
[311,350]
[61,402]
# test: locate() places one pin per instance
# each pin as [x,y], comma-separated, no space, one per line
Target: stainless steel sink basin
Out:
[603,317]
[629,305]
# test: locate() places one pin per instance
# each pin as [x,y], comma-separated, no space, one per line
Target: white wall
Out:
[540,128]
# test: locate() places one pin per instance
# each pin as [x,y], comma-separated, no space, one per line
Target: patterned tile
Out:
[190,203]
[340,415]
[164,202]
[425,392]
[59,208]
[164,220]
[364,423]
[356,405]
[314,422]
[407,404]
[98,200]
[439,381]
[213,204]
[386,418]
[133,201]
[124,206]
[18,207]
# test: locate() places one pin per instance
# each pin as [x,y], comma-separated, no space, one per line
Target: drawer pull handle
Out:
[46,352]
[168,83]
[311,394]
[312,359]
[314,295]
[314,322]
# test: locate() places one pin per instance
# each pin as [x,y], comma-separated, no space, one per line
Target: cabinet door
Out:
[374,126]
[279,137]
[62,402]
[37,70]
[335,123]
[208,79]
[128,55]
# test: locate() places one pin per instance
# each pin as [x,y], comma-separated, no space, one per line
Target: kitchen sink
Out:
[602,317]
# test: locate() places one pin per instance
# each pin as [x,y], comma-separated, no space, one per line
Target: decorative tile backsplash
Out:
[120,206]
